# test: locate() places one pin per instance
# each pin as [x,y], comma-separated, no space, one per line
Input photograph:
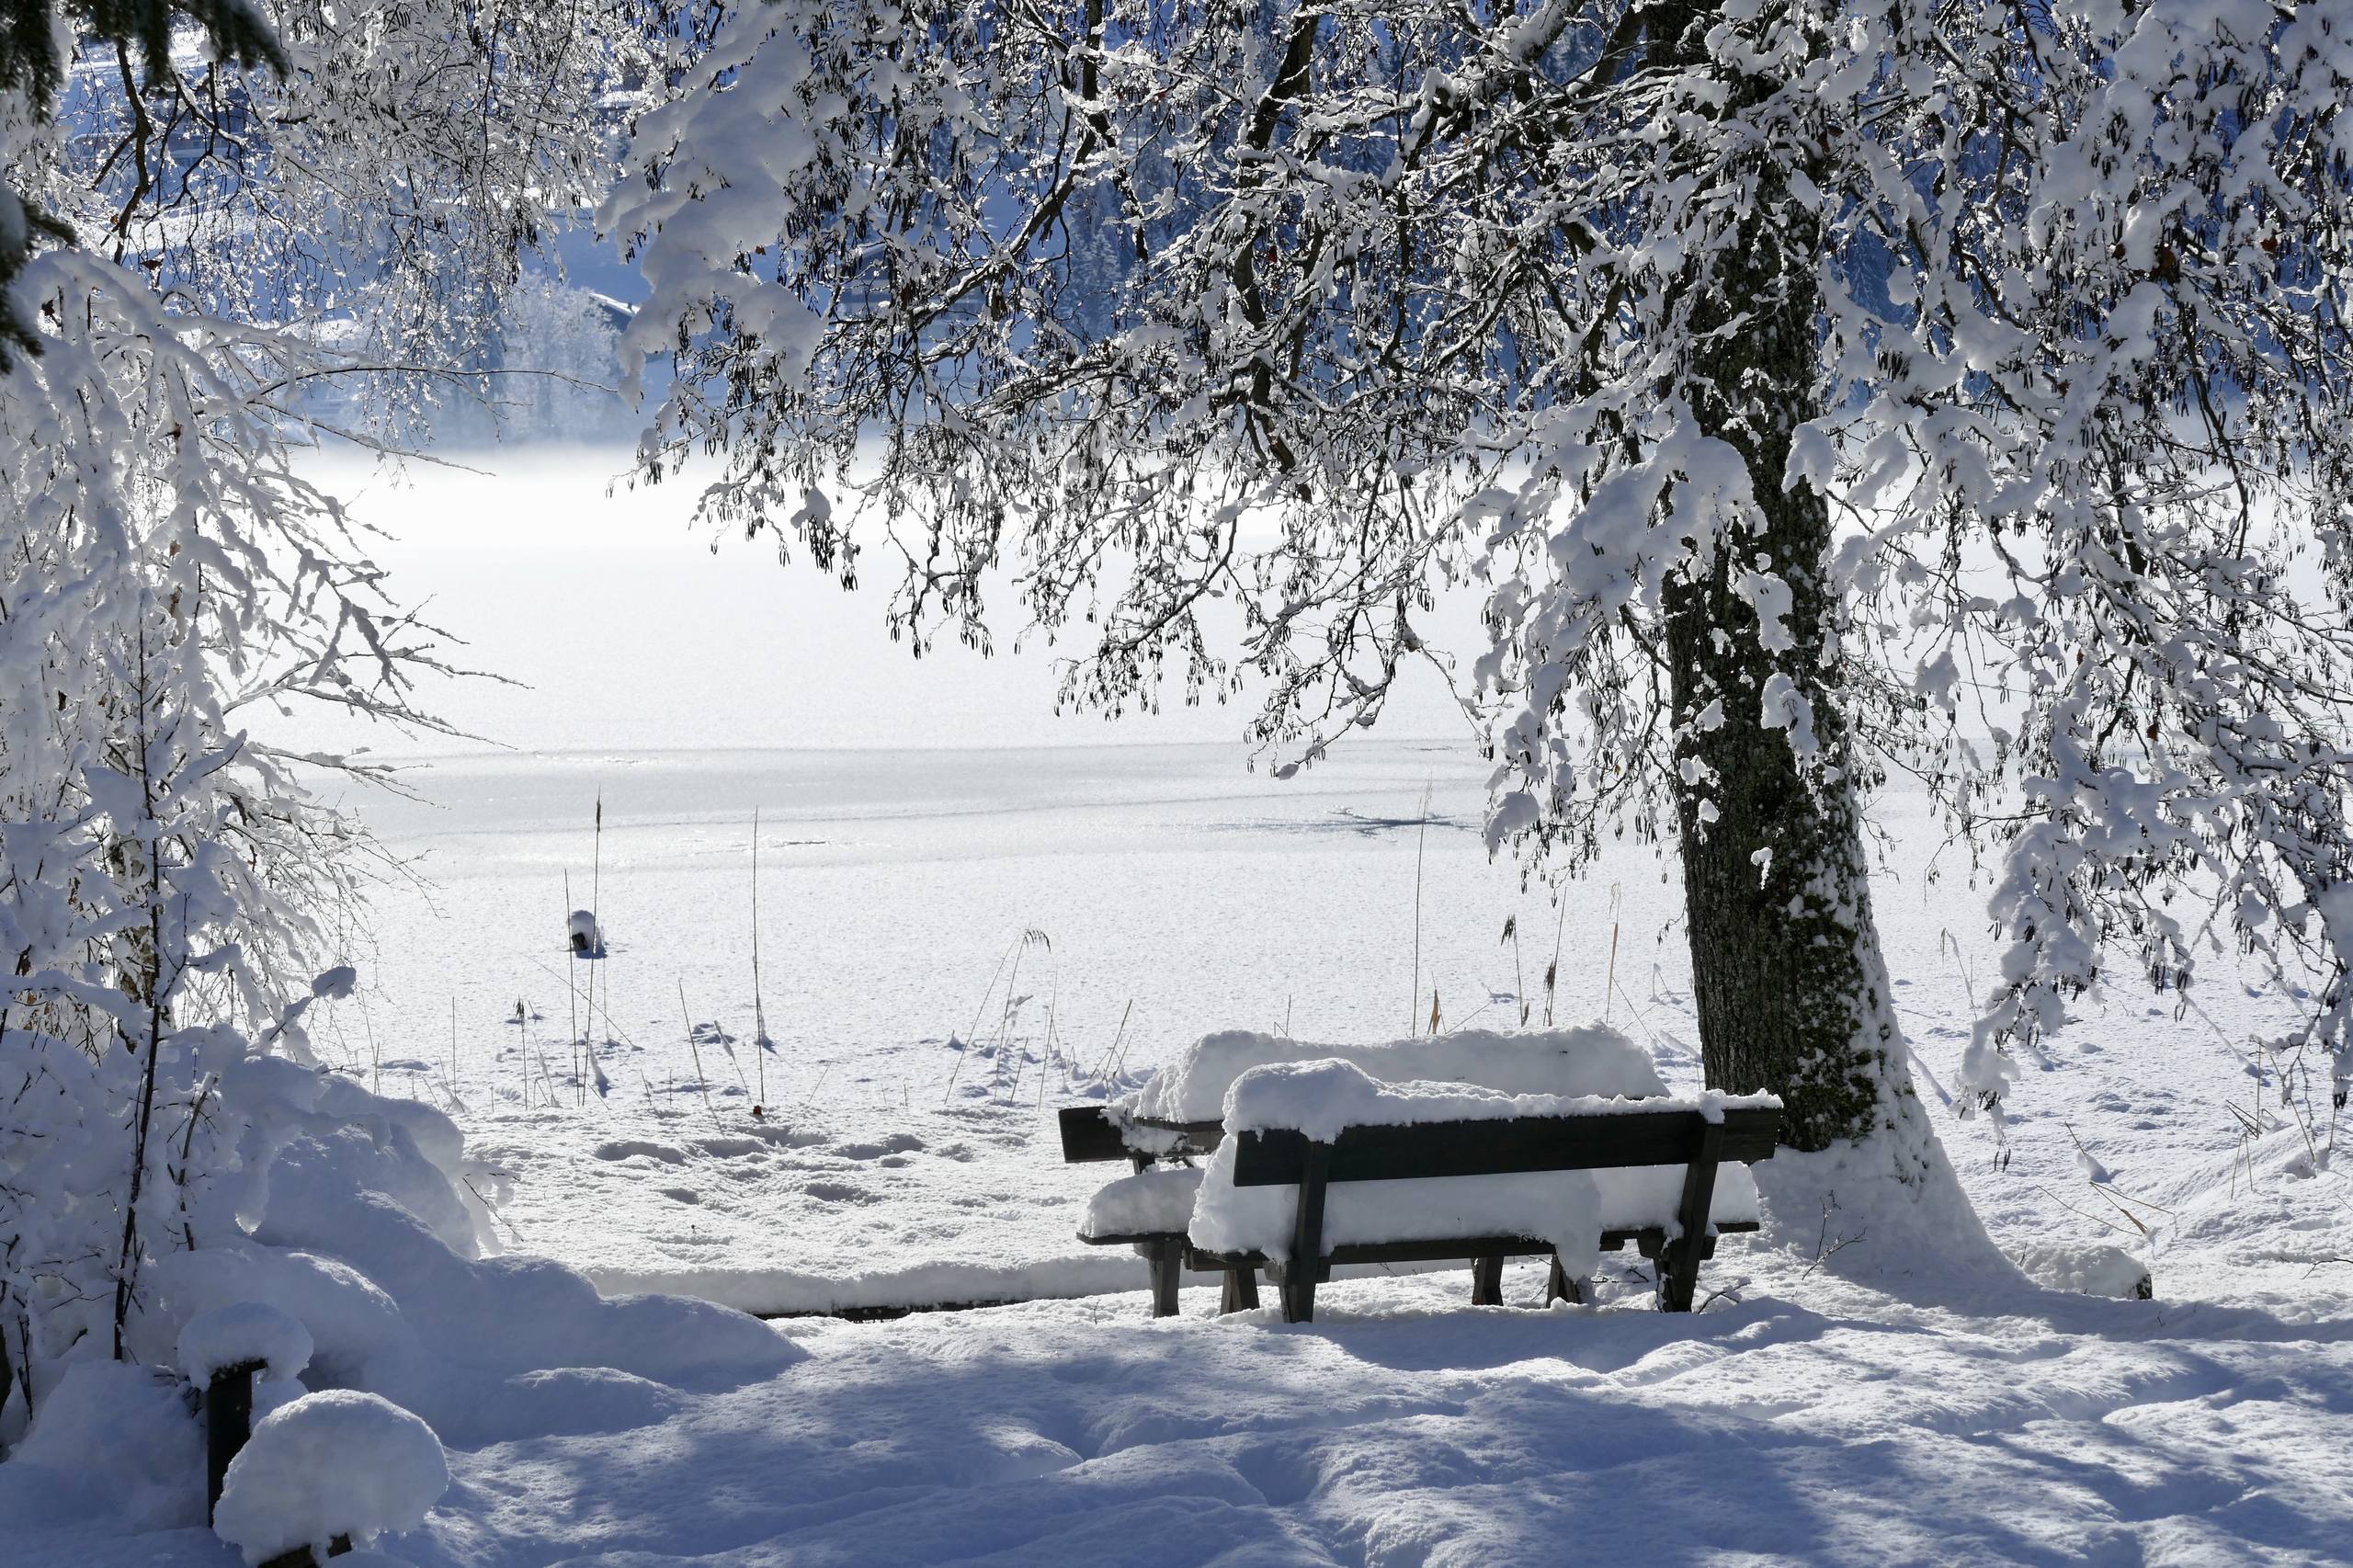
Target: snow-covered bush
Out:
[169,584]
[329,1465]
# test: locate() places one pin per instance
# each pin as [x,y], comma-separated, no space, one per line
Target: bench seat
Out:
[1149,1203]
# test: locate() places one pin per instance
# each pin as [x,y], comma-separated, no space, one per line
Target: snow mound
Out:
[112,1441]
[1592,1061]
[2085,1268]
[249,1333]
[1149,1200]
[348,1224]
[338,1463]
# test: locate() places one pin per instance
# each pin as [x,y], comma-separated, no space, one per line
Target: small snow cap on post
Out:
[336,1468]
[221,1351]
[587,942]
[250,1334]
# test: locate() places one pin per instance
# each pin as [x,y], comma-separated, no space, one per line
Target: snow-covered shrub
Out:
[169,584]
[329,1465]
[112,1441]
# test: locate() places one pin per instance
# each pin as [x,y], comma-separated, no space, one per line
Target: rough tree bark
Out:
[1785,973]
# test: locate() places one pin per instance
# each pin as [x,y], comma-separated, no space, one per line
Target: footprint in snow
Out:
[623,1148]
[897,1143]
[838,1192]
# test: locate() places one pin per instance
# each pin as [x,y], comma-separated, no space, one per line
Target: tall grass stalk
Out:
[1421,844]
[695,1050]
[1519,975]
[597,911]
[1103,1069]
[375,1051]
[1553,969]
[1609,984]
[760,1046]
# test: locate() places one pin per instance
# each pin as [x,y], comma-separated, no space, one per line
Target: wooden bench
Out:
[1609,1141]
[1093,1133]
[1606,1140]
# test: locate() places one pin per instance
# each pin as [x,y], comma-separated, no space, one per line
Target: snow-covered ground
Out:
[1818,1413]
[1837,1400]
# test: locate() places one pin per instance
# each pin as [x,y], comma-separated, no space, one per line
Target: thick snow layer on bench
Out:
[1320,1097]
[1595,1059]
[1569,1209]
[1151,1200]
[1560,1207]
[1644,1198]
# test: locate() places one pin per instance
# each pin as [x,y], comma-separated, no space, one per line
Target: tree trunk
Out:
[1785,971]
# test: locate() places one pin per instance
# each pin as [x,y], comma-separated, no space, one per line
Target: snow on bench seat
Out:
[1153,1202]
[1592,1061]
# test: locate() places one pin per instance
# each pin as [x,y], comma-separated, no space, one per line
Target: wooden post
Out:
[1241,1290]
[1560,1286]
[228,1422]
[1306,1263]
[1678,1264]
[1168,1257]
[1487,1280]
[303,1557]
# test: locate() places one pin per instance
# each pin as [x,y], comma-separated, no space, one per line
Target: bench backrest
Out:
[1091,1133]
[1601,1141]
[1507,1147]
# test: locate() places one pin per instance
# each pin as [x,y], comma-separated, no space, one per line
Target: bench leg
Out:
[1678,1264]
[1299,1295]
[1306,1238]
[1560,1286]
[1487,1280]
[1241,1290]
[1167,1260]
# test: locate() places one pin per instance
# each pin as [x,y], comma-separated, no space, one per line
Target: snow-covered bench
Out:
[1182,1114]
[1324,1164]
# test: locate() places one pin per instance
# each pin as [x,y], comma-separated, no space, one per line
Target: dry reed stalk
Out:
[695,1050]
[1421,844]
[1552,970]
[760,1046]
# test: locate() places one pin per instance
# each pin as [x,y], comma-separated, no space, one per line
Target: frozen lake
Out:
[1172,891]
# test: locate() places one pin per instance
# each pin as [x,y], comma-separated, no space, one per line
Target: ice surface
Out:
[336,1464]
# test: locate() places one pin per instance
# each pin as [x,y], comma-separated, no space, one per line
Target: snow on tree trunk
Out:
[1610,311]
[1777,886]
